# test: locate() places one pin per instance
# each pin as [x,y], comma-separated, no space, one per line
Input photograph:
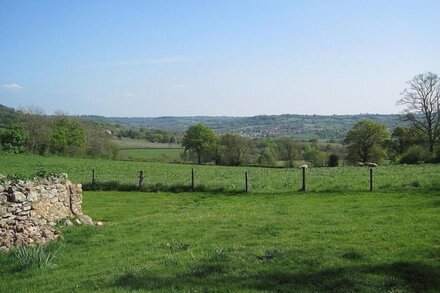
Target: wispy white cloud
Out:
[138,62]
[11,86]
[128,95]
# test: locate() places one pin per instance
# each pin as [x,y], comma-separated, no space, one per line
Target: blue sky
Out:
[239,58]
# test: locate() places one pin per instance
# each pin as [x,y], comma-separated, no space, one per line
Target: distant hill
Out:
[7,116]
[301,126]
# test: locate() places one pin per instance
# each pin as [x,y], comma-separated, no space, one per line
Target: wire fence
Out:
[241,179]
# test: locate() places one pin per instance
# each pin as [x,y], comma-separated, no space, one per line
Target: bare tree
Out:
[422,101]
[37,127]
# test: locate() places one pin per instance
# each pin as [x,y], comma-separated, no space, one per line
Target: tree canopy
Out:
[68,137]
[199,138]
[366,141]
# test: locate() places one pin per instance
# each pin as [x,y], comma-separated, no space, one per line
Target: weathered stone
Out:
[32,196]
[75,200]
[29,208]
[51,211]
[25,232]
[68,223]
[18,197]
[86,220]
[3,210]
[99,224]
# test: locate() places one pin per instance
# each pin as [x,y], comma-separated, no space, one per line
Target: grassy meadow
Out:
[151,154]
[335,237]
[261,180]
[249,243]
[129,143]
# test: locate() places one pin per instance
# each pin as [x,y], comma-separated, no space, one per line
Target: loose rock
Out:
[86,220]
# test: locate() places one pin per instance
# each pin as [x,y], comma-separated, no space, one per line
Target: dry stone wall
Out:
[30,209]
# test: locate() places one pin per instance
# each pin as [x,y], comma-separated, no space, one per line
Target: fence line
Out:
[142,179]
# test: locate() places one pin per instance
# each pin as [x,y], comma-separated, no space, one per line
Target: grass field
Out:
[340,179]
[127,143]
[151,154]
[248,243]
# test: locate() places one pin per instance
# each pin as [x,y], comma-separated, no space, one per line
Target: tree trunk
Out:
[199,158]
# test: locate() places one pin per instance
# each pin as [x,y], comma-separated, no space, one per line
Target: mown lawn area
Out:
[195,242]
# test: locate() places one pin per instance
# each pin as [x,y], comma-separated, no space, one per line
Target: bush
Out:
[267,158]
[333,160]
[316,157]
[415,154]
[436,158]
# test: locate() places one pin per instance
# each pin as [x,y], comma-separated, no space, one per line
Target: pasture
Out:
[151,154]
[261,180]
[335,237]
[129,143]
[248,243]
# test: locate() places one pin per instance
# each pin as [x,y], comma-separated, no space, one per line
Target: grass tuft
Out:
[34,256]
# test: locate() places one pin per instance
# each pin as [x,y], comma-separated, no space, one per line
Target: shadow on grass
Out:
[181,188]
[406,276]
[174,188]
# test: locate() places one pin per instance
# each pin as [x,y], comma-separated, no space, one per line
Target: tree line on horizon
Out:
[29,130]
[32,131]
[367,141]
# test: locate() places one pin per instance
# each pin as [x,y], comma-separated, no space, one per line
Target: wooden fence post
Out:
[141,179]
[192,179]
[246,181]
[303,188]
[93,177]
[371,179]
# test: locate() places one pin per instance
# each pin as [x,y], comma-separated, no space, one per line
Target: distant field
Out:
[152,155]
[126,143]
[358,242]
[386,178]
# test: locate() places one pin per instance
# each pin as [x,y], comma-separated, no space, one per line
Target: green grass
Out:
[248,243]
[340,179]
[152,154]
[126,143]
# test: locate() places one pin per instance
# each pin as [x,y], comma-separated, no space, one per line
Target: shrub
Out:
[436,158]
[414,154]
[267,158]
[316,157]
[333,160]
